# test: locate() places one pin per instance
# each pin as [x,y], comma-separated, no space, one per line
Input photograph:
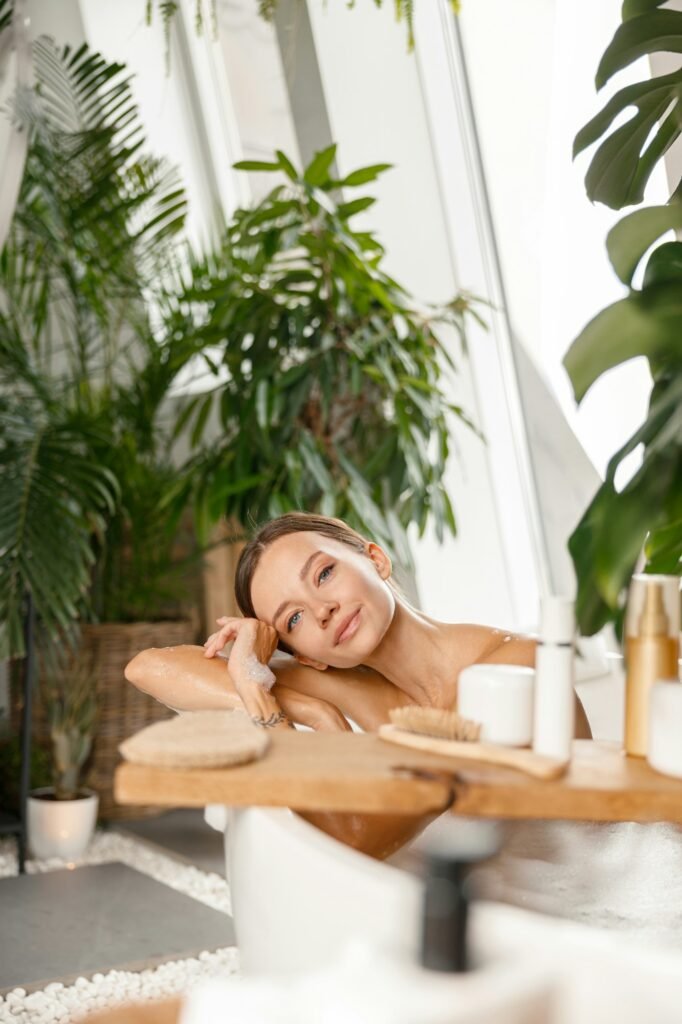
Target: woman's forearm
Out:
[183,679]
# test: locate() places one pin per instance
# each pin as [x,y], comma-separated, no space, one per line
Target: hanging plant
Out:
[404,10]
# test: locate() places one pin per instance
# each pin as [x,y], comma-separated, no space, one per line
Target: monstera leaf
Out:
[621,166]
[646,514]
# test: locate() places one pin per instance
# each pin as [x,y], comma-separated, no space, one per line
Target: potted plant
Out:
[329,378]
[62,817]
[643,520]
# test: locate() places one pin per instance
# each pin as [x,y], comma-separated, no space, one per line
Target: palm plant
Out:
[645,516]
[82,377]
[328,378]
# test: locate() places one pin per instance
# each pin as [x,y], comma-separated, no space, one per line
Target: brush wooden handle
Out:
[510,757]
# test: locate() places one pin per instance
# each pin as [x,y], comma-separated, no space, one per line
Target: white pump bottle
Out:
[554,710]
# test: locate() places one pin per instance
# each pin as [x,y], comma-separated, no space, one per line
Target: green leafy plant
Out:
[86,472]
[70,699]
[646,514]
[328,376]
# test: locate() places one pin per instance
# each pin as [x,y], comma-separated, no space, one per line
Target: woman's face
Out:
[308,586]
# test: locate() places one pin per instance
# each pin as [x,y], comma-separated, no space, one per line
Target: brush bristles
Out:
[447,725]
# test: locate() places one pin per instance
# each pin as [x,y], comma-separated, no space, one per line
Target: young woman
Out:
[349,647]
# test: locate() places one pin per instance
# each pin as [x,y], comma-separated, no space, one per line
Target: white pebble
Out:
[65,1003]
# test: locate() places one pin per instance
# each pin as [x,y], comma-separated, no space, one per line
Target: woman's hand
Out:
[254,644]
[251,636]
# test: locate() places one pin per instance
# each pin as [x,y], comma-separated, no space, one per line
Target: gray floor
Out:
[182,833]
[62,924]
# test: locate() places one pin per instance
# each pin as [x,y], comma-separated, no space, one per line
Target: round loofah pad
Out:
[197,739]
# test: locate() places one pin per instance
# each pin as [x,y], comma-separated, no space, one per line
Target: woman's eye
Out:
[327,568]
[291,620]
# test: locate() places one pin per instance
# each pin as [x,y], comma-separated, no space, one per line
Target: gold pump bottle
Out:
[652,626]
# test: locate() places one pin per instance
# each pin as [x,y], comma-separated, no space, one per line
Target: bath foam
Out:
[253,669]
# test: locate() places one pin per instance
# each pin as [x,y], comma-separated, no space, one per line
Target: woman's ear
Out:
[380,559]
[319,665]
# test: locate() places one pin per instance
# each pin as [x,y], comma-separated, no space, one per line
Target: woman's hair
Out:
[291,522]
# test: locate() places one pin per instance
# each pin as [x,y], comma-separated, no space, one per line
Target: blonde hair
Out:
[282,526]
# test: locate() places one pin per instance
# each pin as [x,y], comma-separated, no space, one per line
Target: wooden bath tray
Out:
[358,772]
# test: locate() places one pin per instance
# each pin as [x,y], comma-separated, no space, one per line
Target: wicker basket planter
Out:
[122,709]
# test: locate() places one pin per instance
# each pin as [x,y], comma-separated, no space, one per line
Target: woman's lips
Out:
[350,628]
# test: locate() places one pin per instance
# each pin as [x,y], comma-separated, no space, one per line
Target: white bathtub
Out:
[299,898]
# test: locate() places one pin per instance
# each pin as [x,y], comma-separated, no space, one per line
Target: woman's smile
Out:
[349,629]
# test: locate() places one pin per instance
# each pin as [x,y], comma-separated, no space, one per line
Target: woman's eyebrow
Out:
[302,574]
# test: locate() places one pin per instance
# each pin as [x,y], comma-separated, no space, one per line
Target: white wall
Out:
[532,68]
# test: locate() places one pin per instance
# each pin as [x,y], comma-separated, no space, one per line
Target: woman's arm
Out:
[183,679]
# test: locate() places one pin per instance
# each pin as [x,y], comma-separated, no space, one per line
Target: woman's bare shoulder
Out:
[473,643]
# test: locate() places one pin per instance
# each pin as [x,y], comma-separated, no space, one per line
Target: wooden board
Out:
[304,770]
[167,1012]
[358,772]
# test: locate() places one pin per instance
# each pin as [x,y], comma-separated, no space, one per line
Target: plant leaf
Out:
[644,324]
[364,174]
[317,171]
[256,165]
[665,264]
[627,242]
[636,37]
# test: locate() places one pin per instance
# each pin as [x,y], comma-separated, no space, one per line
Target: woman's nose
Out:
[324,612]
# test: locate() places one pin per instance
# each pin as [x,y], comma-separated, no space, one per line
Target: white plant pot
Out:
[60,828]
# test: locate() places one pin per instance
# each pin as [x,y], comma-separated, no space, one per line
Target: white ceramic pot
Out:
[60,828]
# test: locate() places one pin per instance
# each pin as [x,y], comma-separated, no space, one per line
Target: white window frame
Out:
[442,70]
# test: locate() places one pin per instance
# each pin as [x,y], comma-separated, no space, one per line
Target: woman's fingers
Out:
[217,640]
[252,637]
